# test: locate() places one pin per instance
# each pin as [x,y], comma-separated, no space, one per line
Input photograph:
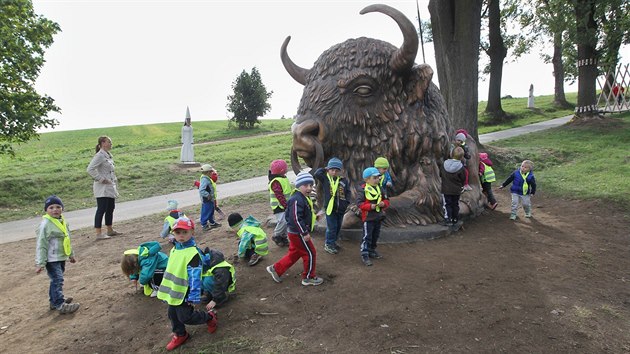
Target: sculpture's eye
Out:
[363,91]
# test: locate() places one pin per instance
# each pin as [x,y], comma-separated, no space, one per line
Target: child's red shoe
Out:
[176,341]
[212,323]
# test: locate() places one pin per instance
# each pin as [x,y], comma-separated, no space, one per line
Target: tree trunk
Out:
[587,59]
[560,99]
[456,27]
[497,53]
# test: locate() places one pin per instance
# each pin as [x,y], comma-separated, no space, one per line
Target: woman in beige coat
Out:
[101,168]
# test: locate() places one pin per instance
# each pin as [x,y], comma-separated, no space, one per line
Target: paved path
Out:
[78,219]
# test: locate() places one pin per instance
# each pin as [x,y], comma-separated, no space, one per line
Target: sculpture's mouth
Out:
[307,137]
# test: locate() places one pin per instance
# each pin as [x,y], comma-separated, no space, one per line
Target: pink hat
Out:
[483,155]
[278,167]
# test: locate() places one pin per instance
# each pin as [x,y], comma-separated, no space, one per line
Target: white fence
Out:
[614,93]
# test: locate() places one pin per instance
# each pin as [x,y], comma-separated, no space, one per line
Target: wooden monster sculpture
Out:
[365,98]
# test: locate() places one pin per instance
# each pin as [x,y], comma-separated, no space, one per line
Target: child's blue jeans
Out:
[207,213]
[55,273]
[333,225]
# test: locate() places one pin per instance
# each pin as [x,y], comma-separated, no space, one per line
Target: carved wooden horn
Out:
[402,59]
[298,74]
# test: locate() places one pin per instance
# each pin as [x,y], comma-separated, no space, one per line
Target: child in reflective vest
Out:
[145,265]
[301,221]
[279,193]
[52,250]
[181,286]
[252,244]
[218,278]
[336,190]
[372,201]
[382,165]
[486,176]
[523,188]
[173,214]
[207,193]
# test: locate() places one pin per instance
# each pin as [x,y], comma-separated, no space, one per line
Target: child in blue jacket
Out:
[145,265]
[523,188]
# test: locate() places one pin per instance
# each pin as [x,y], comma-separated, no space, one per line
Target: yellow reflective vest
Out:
[230,267]
[175,282]
[286,190]
[488,174]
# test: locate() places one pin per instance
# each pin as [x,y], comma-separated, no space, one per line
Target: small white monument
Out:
[530,98]
[188,154]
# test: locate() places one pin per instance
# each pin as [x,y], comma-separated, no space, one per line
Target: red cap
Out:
[184,223]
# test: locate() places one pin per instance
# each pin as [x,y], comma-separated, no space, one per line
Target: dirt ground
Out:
[559,282]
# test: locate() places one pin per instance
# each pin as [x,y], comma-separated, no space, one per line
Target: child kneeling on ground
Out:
[218,278]
[253,239]
[181,286]
[145,265]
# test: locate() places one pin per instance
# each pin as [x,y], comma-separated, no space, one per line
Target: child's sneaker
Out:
[512,216]
[366,260]
[273,273]
[176,341]
[330,249]
[215,225]
[254,259]
[205,227]
[154,293]
[312,281]
[375,255]
[66,308]
[467,187]
[68,300]
[528,215]
[493,206]
[212,323]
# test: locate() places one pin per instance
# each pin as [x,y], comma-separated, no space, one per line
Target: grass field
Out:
[589,161]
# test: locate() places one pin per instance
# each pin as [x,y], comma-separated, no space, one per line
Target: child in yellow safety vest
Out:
[145,265]
[336,190]
[218,279]
[181,286]
[486,176]
[52,250]
[372,200]
[173,214]
[279,193]
[253,239]
[523,188]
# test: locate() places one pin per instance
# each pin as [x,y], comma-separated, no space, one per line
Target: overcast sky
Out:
[124,62]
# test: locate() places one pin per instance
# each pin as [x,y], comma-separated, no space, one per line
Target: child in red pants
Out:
[301,221]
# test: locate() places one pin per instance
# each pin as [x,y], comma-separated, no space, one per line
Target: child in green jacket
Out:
[145,265]
[253,239]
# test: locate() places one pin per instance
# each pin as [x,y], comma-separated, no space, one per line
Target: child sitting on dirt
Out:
[253,239]
[218,279]
[336,190]
[486,176]
[145,265]
[523,188]
[207,193]
[181,285]
[301,222]
[173,214]
[52,250]
[372,200]
[279,192]
[453,179]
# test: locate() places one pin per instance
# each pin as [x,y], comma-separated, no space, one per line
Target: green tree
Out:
[249,100]
[24,36]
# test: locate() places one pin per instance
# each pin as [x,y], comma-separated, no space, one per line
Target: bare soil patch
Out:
[558,282]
